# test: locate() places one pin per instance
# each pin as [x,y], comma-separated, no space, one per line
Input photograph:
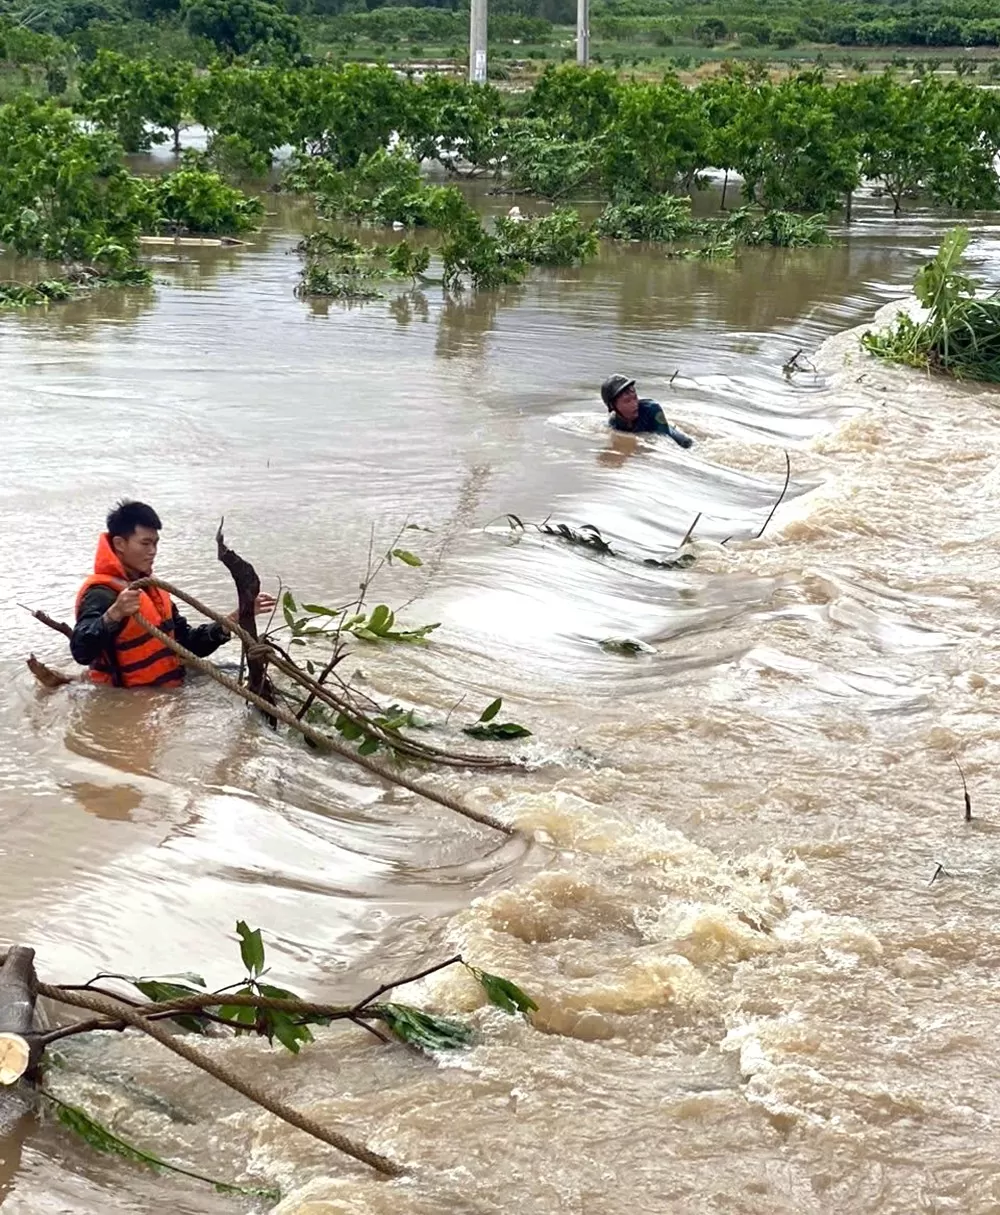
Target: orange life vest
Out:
[138,660]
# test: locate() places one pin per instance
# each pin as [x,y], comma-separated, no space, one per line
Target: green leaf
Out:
[288,602]
[380,619]
[101,1139]
[503,993]
[421,1029]
[407,557]
[491,710]
[240,1015]
[348,729]
[366,635]
[188,976]
[317,609]
[281,1026]
[251,948]
[159,991]
[493,731]
[369,746]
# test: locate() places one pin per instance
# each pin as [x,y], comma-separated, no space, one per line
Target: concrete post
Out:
[583,32]
[477,42]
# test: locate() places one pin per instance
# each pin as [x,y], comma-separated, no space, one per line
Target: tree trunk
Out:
[17,1019]
[725,184]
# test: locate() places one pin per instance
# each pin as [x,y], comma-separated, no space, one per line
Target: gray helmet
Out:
[613,387]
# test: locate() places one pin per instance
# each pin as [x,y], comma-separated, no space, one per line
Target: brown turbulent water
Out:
[752,997]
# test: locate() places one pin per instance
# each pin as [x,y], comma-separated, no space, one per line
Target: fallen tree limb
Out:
[308,731]
[200,1001]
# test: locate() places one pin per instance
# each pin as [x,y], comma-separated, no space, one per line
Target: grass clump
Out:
[960,334]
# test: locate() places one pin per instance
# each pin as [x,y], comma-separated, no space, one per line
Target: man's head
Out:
[134,532]
[619,394]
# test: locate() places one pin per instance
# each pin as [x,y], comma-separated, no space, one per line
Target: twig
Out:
[372,1030]
[670,382]
[940,871]
[323,676]
[965,789]
[784,490]
[197,1004]
[60,626]
[690,530]
[399,983]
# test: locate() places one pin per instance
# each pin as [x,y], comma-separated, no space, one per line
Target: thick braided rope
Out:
[317,736]
[122,1012]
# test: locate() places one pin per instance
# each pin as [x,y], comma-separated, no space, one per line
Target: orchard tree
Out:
[576,102]
[448,118]
[65,192]
[659,140]
[129,96]
[255,28]
[245,107]
[348,113]
[791,149]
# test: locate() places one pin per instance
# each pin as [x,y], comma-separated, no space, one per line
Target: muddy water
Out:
[752,997]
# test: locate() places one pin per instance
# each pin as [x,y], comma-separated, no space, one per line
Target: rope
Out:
[122,1012]
[308,731]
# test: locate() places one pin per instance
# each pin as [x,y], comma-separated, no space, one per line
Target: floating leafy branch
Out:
[425,1030]
[101,1139]
[489,729]
[626,645]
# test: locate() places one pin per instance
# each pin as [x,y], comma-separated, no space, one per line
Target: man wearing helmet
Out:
[628,411]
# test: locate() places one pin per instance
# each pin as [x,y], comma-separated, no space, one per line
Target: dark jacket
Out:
[651,419]
[93,635]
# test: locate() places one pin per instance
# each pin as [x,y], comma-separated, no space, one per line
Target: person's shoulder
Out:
[99,592]
[651,411]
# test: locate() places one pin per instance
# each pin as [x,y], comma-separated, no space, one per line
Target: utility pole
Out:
[583,32]
[477,42]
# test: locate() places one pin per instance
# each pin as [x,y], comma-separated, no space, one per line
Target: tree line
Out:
[194,27]
[359,134]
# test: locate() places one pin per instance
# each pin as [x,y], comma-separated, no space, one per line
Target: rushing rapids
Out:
[753,997]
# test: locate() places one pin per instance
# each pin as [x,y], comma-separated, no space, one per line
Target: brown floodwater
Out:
[753,998]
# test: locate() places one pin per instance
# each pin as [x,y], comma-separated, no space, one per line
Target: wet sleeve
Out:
[201,641]
[92,635]
[663,427]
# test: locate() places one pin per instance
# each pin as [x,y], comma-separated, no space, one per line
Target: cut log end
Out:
[15,1058]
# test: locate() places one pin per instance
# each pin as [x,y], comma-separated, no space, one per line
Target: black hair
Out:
[125,516]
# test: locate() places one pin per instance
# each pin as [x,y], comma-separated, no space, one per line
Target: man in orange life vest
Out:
[107,638]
